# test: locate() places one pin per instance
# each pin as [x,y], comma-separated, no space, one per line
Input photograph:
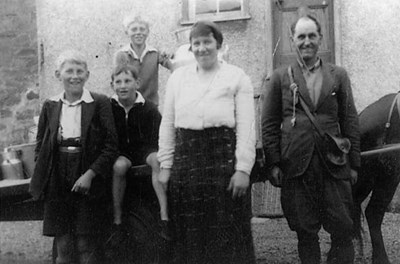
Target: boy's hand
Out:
[164,56]
[82,185]
[163,178]
[165,60]
[239,183]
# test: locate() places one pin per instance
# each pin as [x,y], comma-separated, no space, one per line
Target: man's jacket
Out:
[291,147]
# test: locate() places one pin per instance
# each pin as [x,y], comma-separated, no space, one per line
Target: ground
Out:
[21,242]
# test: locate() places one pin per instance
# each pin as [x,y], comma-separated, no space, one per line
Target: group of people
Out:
[201,149]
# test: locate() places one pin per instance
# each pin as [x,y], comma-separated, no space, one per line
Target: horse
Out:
[379,173]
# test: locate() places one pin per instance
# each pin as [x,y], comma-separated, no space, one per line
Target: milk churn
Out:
[11,165]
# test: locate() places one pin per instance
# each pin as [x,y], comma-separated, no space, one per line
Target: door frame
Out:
[337,5]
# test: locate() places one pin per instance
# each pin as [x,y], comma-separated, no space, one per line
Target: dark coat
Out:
[98,137]
[291,148]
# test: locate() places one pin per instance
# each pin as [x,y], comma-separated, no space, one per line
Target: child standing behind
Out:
[76,143]
[137,121]
[142,57]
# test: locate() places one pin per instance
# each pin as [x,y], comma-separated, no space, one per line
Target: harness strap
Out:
[396,101]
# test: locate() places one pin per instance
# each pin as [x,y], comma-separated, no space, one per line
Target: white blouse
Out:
[227,100]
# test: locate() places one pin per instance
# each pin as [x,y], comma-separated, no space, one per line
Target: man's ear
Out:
[320,40]
[57,74]
[87,76]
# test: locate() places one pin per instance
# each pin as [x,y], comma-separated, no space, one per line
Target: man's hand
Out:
[353,176]
[275,177]
[239,183]
[82,185]
[163,178]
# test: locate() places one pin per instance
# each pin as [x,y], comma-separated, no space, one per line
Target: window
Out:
[215,10]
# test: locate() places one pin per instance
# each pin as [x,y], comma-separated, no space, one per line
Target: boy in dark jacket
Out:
[76,145]
[137,121]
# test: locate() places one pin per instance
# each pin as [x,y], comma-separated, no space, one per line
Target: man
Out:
[312,196]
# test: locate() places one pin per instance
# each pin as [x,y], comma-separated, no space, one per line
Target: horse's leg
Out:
[358,243]
[384,189]
[361,190]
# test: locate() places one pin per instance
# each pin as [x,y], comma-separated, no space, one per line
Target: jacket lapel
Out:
[86,118]
[327,83]
[301,83]
[54,119]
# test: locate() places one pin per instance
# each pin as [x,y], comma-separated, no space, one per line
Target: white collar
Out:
[147,49]
[139,99]
[86,97]
[193,66]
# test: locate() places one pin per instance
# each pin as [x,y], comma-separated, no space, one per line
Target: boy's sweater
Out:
[138,133]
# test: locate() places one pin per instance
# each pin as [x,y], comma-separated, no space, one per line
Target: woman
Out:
[207,146]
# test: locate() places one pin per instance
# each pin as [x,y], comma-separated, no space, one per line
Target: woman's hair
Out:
[73,56]
[204,28]
[125,68]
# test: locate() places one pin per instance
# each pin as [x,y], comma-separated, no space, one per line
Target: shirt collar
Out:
[139,99]
[192,67]
[147,49]
[86,97]
[313,68]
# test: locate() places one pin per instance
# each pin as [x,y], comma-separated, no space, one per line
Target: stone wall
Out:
[18,71]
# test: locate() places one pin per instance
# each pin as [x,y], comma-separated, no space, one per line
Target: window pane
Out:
[206,6]
[229,5]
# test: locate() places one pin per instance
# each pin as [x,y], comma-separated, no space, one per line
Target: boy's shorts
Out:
[75,214]
[136,158]
[71,212]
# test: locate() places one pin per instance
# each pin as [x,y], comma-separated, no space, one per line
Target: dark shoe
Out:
[165,232]
[117,235]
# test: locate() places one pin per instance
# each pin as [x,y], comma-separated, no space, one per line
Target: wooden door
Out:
[284,13]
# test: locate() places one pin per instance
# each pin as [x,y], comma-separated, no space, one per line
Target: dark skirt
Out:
[209,226]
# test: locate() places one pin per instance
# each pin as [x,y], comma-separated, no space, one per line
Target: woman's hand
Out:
[275,177]
[239,183]
[82,185]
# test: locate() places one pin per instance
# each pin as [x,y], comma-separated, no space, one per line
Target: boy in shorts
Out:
[76,145]
[137,121]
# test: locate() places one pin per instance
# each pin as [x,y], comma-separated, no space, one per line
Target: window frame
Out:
[189,15]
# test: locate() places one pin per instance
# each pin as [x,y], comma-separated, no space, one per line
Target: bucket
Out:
[11,166]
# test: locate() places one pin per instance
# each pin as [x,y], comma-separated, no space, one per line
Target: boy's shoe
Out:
[165,232]
[118,235]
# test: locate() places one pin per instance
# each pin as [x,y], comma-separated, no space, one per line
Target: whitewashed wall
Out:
[370,47]
[95,27]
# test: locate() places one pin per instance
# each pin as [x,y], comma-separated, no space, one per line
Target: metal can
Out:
[11,166]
